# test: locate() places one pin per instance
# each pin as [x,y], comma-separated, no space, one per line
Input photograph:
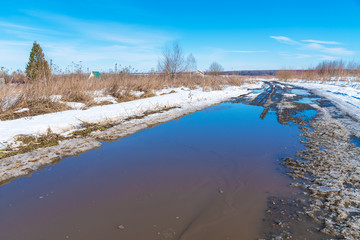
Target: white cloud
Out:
[15,43]
[93,43]
[110,31]
[17,26]
[304,56]
[313,46]
[236,51]
[285,40]
[318,47]
[293,56]
[338,51]
[327,58]
[328,50]
[322,42]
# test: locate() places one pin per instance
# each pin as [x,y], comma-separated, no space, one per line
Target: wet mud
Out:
[327,171]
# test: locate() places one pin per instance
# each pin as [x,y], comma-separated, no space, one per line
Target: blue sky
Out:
[240,35]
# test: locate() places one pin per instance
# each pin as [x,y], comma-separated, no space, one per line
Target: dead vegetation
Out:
[39,97]
[87,128]
[29,143]
[324,71]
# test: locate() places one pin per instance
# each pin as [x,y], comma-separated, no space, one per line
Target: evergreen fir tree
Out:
[37,67]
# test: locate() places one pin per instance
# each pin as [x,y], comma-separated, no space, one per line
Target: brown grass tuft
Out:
[38,96]
[30,143]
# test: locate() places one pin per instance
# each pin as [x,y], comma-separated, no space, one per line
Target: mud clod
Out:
[333,162]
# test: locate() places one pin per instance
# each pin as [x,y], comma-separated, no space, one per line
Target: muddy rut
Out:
[327,171]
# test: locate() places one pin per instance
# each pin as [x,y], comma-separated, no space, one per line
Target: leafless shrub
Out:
[215,69]
[324,71]
[285,75]
[191,65]
[172,61]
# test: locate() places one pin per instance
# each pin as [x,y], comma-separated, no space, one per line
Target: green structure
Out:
[95,74]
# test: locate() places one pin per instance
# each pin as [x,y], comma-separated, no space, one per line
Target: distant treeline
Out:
[326,70]
[252,73]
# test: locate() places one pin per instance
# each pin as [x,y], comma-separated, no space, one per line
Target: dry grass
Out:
[38,96]
[37,107]
[324,71]
[315,75]
[88,128]
[30,143]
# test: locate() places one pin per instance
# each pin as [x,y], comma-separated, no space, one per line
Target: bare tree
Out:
[172,60]
[191,63]
[331,68]
[215,69]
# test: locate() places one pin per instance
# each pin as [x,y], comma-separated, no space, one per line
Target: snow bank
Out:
[67,120]
[345,96]
[26,163]
[185,101]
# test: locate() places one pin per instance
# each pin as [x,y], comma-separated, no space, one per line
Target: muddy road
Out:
[327,170]
[285,100]
[237,170]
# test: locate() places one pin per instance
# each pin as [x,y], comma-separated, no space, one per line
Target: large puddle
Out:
[205,176]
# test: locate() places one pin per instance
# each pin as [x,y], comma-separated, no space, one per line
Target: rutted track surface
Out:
[328,170]
[280,98]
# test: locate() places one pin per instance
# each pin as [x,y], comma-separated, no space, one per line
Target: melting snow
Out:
[60,122]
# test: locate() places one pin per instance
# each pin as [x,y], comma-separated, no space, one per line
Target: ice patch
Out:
[55,98]
[136,93]
[108,98]
[75,105]
[344,95]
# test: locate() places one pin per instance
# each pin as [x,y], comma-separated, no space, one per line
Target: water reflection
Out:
[204,176]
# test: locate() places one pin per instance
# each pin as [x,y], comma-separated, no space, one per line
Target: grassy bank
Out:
[324,71]
[40,97]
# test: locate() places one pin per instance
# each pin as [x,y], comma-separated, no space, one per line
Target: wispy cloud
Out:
[317,57]
[15,43]
[322,42]
[109,31]
[27,32]
[17,26]
[327,58]
[304,56]
[318,47]
[96,43]
[329,50]
[285,40]
[245,51]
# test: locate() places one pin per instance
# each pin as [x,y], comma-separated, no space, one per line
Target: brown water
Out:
[205,176]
